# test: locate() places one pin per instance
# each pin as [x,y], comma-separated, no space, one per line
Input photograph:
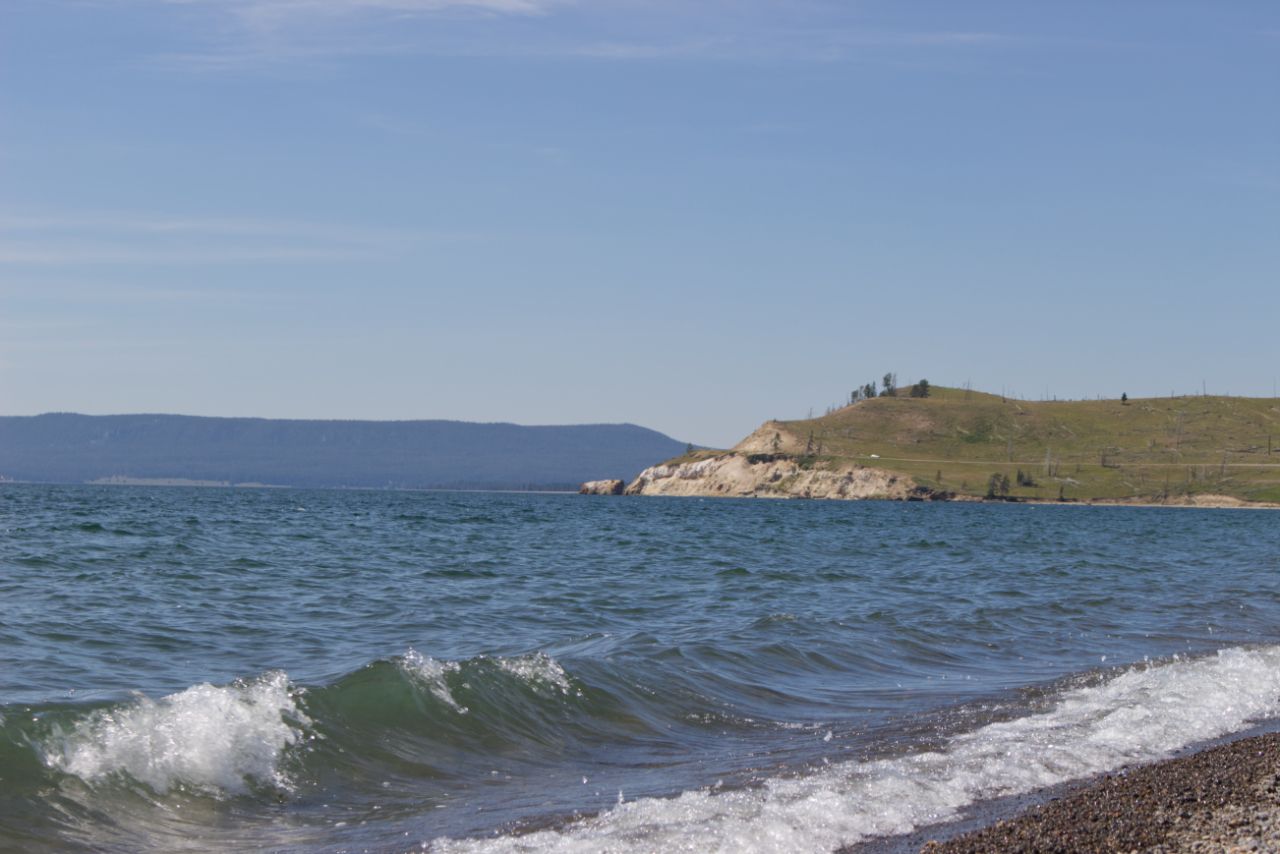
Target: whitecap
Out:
[216,738]
[432,674]
[537,669]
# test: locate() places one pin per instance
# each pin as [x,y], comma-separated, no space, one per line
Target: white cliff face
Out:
[763,475]
[602,487]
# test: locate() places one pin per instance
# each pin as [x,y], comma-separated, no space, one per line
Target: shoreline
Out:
[1234,504]
[1230,504]
[1218,502]
[774,475]
[1218,795]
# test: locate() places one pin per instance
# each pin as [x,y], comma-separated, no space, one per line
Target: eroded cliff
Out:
[736,474]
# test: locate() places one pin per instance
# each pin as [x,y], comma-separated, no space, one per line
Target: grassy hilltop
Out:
[969,443]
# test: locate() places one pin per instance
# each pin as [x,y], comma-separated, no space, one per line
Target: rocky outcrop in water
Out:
[767,475]
[603,487]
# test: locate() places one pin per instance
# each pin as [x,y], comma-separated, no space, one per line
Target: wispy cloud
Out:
[125,222]
[234,57]
[955,38]
[265,17]
[813,45]
[235,35]
[43,289]
[620,50]
[276,11]
[65,253]
[126,239]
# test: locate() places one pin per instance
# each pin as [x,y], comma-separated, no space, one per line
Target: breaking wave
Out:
[224,739]
[414,718]
[1140,715]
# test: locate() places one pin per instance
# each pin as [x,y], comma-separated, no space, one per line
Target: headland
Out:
[964,445]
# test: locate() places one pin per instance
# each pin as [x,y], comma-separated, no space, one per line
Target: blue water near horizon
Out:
[301,670]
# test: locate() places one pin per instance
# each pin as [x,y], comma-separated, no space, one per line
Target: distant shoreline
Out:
[168,483]
[1223,503]
[1021,502]
[179,481]
[179,450]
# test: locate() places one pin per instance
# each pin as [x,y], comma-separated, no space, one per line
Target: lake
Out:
[207,669]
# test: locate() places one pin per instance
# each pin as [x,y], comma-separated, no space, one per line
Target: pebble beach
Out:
[1223,799]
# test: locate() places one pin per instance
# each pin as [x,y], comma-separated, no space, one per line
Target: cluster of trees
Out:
[864,393]
[868,391]
[888,388]
[999,485]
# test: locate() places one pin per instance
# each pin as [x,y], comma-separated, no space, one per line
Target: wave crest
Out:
[222,739]
[432,674]
[537,670]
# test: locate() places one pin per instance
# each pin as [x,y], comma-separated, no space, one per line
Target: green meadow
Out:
[978,444]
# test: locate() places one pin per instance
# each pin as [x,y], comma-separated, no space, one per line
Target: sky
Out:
[693,216]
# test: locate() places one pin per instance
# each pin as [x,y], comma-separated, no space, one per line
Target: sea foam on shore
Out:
[1138,716]
[1224,798]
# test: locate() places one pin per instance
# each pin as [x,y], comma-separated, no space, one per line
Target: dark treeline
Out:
[888,389]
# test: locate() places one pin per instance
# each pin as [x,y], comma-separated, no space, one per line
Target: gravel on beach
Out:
[1222,799]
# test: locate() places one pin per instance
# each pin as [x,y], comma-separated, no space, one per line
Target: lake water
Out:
[204,670]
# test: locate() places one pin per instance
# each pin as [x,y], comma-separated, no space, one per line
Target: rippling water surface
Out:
[291,670]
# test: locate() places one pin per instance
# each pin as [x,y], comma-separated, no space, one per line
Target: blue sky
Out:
[692,216]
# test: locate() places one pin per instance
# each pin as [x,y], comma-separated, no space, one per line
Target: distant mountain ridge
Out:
[72,448]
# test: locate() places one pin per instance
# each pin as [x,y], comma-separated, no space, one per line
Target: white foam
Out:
[431,674]
[1140,715]
[538,670]
[215,738]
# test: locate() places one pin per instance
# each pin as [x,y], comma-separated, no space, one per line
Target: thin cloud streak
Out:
[827,47]
[220,226]
[115,239]
[265,33]
[817,46]
[244,35]
[80,293]
[285,10]
[78,254]
[50,344]
[267,17]
[264,56]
